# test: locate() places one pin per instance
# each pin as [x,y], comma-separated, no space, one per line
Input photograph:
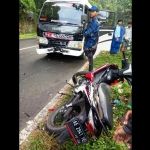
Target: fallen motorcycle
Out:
[89,107]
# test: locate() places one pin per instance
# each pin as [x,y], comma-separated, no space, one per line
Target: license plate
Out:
[58,36]
[77,132]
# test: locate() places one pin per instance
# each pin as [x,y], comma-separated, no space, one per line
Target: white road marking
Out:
[28,47]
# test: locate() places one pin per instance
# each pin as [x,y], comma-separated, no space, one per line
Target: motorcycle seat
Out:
[105,101]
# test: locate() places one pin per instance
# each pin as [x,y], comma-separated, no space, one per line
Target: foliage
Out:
[24,7]
[123,9]
[25,25]
[96,2]
[29,35]
[122,89]
[38,4]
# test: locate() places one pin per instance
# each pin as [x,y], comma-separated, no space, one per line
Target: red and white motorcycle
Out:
[89,107]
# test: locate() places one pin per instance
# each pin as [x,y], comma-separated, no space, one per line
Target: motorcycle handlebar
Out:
[125,66]
[74,77]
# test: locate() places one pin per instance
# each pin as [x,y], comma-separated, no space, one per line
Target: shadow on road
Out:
[62,58]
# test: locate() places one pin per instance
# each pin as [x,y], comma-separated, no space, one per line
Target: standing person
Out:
[127,37]
[117,38]
[91,35]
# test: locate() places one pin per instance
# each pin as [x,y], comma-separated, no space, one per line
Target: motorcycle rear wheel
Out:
[55,127]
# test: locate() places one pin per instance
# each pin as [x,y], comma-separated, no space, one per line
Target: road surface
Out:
[41,77]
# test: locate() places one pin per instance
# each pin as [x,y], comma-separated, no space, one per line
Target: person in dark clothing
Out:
[91,35]
[124,133]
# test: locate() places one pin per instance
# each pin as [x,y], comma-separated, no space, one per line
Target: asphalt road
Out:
[27,43]
[41,77]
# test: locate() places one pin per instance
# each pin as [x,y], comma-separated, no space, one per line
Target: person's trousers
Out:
[91,63]
[89,54]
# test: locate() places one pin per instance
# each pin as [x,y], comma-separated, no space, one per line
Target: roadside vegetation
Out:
[40,139]
[28,35]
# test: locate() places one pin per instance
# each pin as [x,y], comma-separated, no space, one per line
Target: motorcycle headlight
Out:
[74,44]
[42,40]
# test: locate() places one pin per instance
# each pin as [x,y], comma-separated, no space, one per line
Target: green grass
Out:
[41,140]
[29,35]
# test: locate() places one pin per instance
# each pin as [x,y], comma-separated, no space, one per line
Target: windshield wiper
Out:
[47,22]
[60,24]
[72,24]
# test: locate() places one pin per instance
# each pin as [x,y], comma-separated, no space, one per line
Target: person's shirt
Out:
[117,31]
[92,28]
[128,33]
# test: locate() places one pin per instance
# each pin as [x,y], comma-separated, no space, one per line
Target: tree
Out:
[96,2]
[123,8]
[24,7]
